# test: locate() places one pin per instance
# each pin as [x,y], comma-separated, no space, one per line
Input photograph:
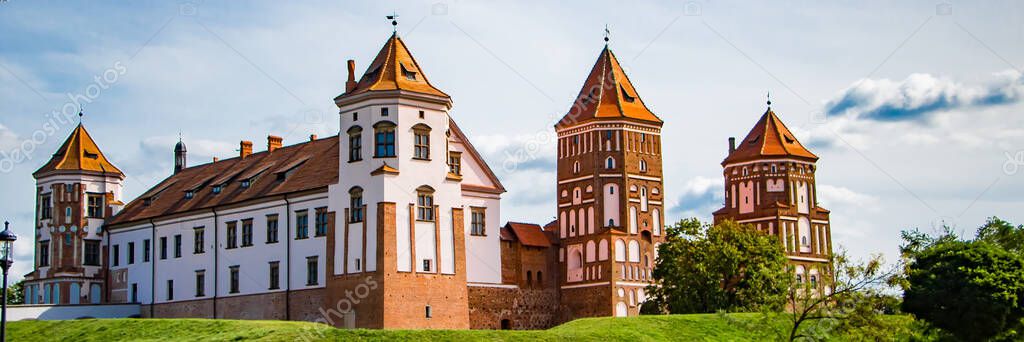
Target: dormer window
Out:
[217,188]
[246,183]
[409,75]
[625,95]
[190,194]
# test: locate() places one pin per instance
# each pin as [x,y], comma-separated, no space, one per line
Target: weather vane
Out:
[607,34]
[394,21]
[769,100]
[81,112]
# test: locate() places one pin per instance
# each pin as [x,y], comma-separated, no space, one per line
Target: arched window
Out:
[425,203]
[384,139]
[421,142]
[643,165]
[355,211]
[577,196]
[591,251]
[609,163]
[540,278]
[620,250]
[746,171]
[602,250]
[529,278]
[355,143]
[634,251]
[576,167]
[643,199]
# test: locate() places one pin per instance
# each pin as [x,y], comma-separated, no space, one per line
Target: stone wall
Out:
[523,308]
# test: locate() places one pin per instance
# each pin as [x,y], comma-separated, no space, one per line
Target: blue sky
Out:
[913,107]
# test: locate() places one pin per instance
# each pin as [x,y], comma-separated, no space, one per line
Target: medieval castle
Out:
[395,222]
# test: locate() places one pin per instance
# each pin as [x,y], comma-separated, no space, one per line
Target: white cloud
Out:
[699,197]
[833,197]
[8,139]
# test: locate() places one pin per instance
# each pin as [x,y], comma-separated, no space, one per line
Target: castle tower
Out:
[77,190]
[179,156]
[769,183]
[403,224]
[609,195]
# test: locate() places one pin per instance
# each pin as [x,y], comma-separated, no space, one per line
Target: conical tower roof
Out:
[394,68]
[769,139]
[79,153]
[608,94]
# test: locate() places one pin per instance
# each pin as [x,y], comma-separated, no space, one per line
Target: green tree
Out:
[1002,234]
[973,290]
[16,293]
[705,269]
[851,299]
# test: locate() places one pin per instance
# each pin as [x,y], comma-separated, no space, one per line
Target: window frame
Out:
[425,204]
[478,228]
[384,140]
[302,224]
[355,202]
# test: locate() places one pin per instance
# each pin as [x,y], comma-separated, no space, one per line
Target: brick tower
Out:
[769,183]
[76,191]
[609,195]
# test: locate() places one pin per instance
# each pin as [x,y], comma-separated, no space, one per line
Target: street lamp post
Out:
[7,238]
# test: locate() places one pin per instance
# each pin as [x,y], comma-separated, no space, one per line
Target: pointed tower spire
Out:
[769,138]
[394,69]
[79,153]
[608,94]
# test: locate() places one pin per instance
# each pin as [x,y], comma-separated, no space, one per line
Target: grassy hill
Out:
[735,327]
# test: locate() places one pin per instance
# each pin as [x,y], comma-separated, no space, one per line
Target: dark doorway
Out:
[506,324]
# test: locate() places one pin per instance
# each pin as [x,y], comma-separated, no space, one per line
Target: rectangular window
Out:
[272,228]
[234,280]
[477,221]
[384,141]
[421,145]
[95,208]
[275,275]
[384,111]
[45,208]
[199,240]
[359,264]
[92,253]
[311,271]
[355,147]
[426,265]
[455,163]
[145,250]
[301,224]
[170,289]
[135,292]
[131,253]
[116,256]
[200,283]
[44,254]
[163,248]
[321,222]
[425,207]
[246,232]
[177,245]
[355,211]
[232,235]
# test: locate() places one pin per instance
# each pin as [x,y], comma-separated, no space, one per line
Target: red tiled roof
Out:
[608,94]
[769,138]
[394,68]
[309,165]
[529,234]
[79,153]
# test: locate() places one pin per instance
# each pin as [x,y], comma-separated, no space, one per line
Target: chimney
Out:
[244,148]
[732,144]
[351,84]
[312,137]
[273,142]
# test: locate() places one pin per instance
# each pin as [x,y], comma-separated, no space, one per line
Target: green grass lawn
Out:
[711,327]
